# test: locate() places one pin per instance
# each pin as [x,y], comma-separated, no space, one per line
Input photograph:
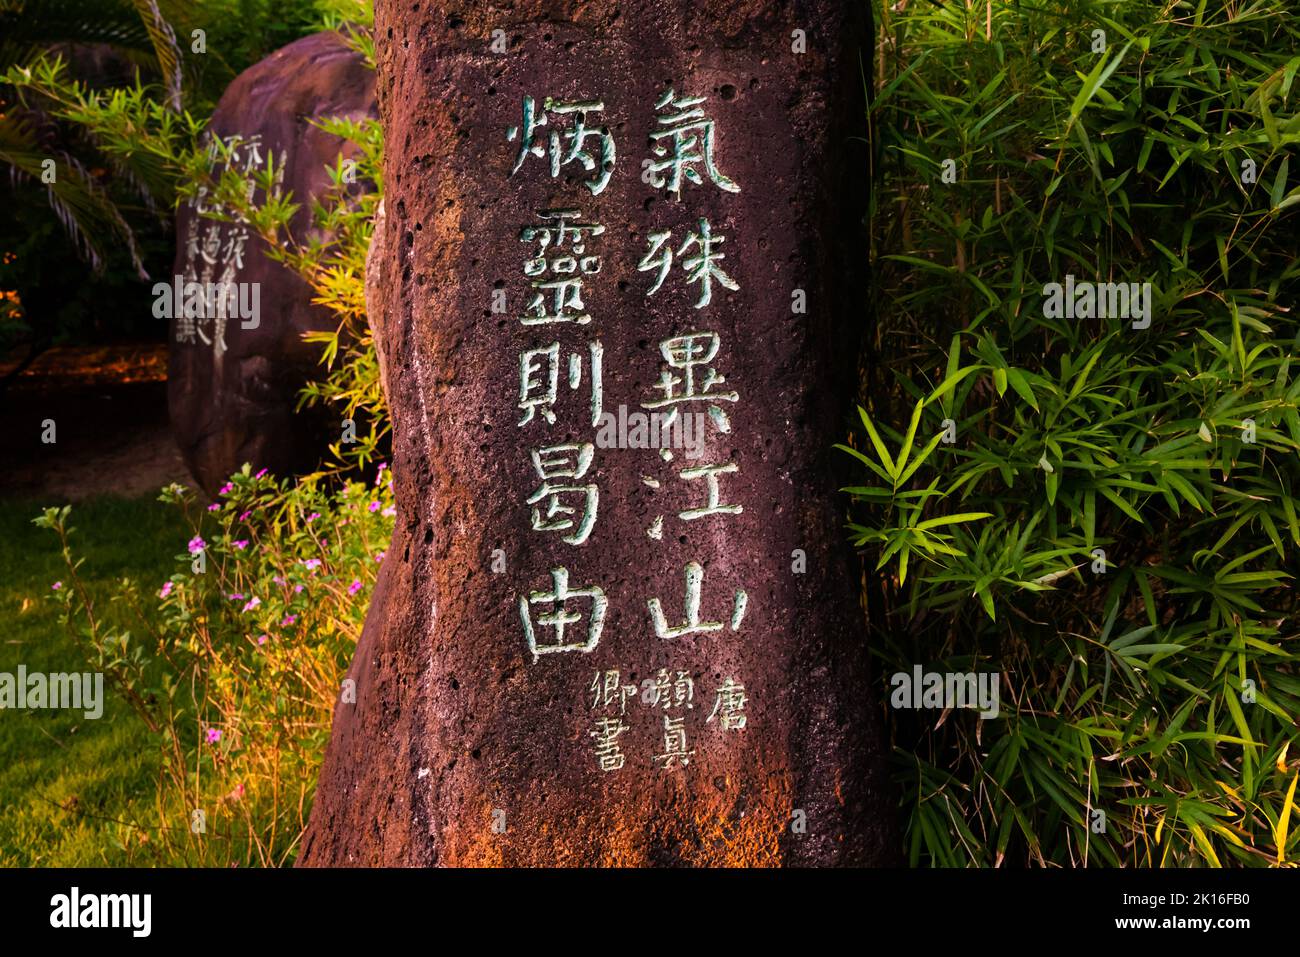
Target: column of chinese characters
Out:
[562,258]
[216,244]
[683,152]
[608,690]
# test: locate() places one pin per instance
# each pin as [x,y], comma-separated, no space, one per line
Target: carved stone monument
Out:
[233,379]
[617,623]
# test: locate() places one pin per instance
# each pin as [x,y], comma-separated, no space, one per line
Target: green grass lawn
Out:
[65,780]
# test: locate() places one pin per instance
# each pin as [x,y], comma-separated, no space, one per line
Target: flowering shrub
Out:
[239,657]
[237,663]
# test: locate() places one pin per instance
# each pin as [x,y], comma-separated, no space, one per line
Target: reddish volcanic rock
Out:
[583,650]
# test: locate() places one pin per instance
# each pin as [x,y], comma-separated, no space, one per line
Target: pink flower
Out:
[226,489]
[57,585]
[241,544]
[390,511]
[166,590]
[252,603]
[260,474]
[296,589]
[380,556]
[244,517]
[261,639]
[312,563]
[213,735]
[313,516]
[236,597]
[288,620]
[355,586]
[214,507]
[374,506]
[197,545]
[278,580]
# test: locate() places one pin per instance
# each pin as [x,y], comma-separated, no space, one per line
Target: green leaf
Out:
[1279,183]
[1093,82]
[952,519]
[908,439]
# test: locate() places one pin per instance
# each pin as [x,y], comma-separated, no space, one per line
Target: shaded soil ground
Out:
[112,436]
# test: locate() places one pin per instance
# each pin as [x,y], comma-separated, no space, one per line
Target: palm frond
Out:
[30,27]
[86,212]
[163,38]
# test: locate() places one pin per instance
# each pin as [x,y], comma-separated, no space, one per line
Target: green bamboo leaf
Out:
[1284,820]
[1279,183]
[881,452]
[953,519]
[908,439]
[920,459]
